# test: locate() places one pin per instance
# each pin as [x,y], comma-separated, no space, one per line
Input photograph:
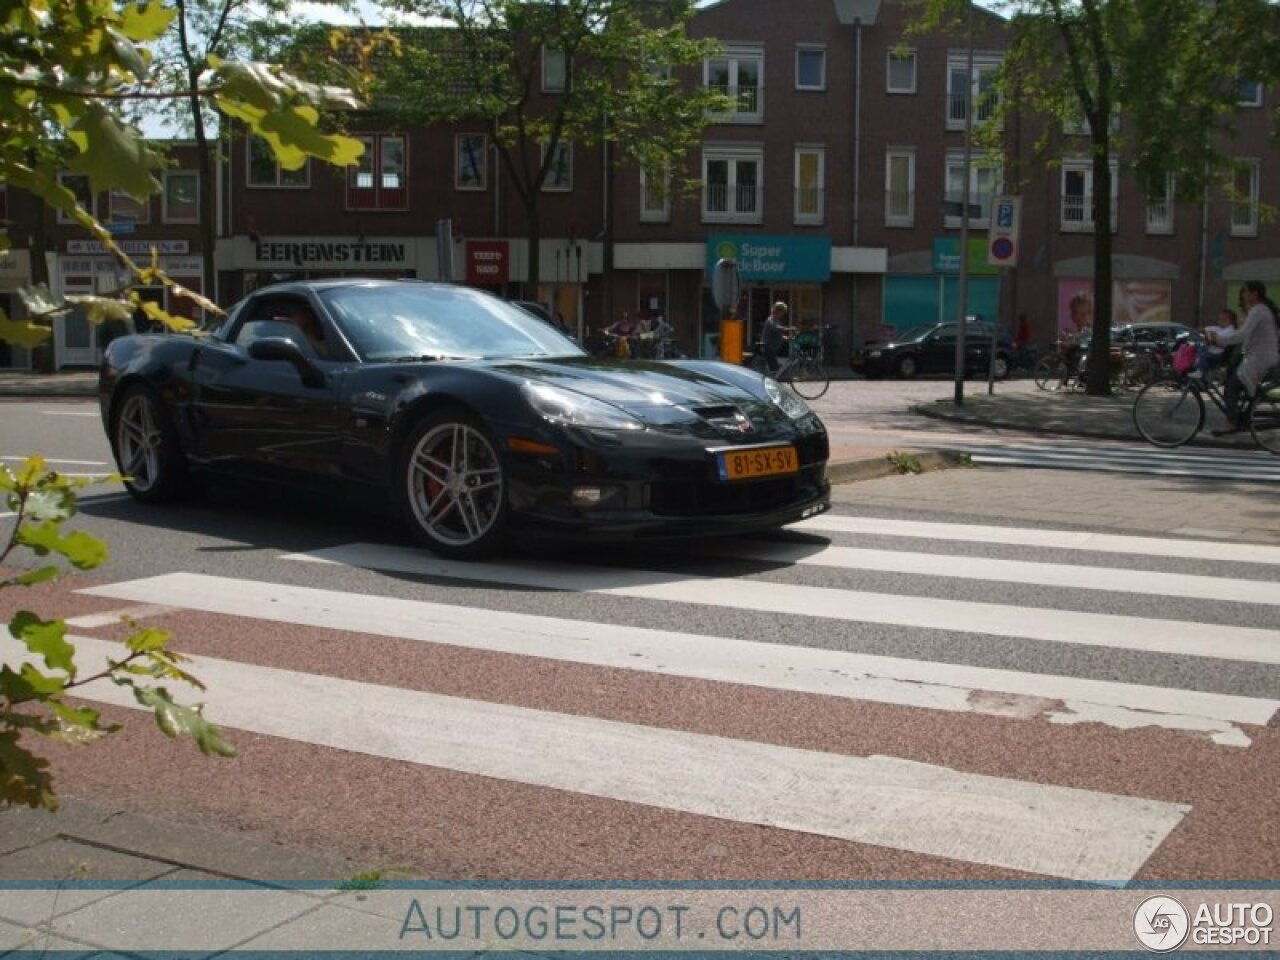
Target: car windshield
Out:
[410,321]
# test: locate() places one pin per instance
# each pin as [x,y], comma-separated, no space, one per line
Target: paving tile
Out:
[332,927]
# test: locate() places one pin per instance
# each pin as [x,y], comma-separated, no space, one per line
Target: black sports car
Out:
[475,419]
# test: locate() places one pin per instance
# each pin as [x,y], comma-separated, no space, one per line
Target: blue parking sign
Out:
[1004,215]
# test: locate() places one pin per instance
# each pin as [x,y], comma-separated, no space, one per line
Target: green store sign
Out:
[773,257]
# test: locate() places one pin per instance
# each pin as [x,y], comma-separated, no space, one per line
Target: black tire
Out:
[1264,418]
[1050,371]
[906,367]
[1001,366]
[146,447]
[808,378]
[451,486]
[1168,414]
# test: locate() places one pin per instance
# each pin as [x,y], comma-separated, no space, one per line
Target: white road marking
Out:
[71,413]
[53,460]
[1236,553]
[836,673]
[854,606]
[1151,583]
[90,621]
[883,801]
[85,502]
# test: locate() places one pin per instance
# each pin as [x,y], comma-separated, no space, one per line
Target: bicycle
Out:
[1169,413]
[804,371]
[1130,369]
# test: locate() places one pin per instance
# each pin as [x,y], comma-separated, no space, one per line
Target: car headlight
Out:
[576,409]
[874,354]
[786,398]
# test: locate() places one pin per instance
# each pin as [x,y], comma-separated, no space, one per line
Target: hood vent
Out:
[725,417]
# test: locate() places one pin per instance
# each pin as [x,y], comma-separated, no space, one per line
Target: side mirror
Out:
[277,349]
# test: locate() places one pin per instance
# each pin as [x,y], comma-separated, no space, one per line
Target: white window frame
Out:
[1247,225]
[907,218]
[984,67]
[818,48]
[459,183]
[63,177]
[818,213]
[736,56]
[563,161]
[735,155]
[1085,223]
[166,216]
[1249,101]
[1160,210]
[978,166]
[900,56]
[551,57]
[280,173]
[655,186]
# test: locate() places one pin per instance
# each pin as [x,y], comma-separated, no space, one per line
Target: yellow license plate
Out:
[759,462]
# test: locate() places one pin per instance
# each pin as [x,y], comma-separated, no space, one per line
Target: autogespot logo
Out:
[1161,924]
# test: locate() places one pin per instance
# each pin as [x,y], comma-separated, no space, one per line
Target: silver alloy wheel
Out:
[455,484]
[138,443]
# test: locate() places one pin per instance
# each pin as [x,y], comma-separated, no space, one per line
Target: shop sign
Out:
[134,248]
[487,262]
[946,255]
[773,257]
[15,269]
[330,253]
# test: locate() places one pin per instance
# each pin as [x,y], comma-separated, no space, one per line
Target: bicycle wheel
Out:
[1264,417]
[807,377]
[1168,414]
[1050,372]
[1139,370]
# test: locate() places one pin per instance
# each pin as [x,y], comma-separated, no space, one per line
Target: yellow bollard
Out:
[731,340]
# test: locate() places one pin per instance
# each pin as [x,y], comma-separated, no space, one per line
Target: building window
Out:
[471,170]
[900,188]
[810,176]
[378,180]
[1078,201]
[265,171]
[740,77]
[1249,93]
[655,196]
[1160,208]
[1244,205]
[811,68]
[555,70]
[181,202]
[560,173]
[960,91]
[984,183]
[901,71]
[731,184]
[127,209]
[78,184]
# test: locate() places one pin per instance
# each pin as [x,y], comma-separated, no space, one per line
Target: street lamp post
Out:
[963,292]
[856,13]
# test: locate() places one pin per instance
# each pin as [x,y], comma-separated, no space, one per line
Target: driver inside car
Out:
[301,316]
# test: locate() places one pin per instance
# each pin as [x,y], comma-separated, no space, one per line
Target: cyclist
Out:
[775,332]
[1069,341]
[1257,338]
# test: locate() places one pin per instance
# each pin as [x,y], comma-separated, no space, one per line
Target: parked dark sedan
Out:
[1150,336]
[474,419]
[932,349]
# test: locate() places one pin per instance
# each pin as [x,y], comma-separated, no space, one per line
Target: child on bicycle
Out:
[1210,354]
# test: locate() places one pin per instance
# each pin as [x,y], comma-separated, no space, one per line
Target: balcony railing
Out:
[738,202]
[746,99]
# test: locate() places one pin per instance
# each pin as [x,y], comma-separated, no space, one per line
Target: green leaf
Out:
[114,156]
[148,640]
[146,21]
[176,720]
[38,300]
[83,551]
[22,333]
[100,309]
[28,685]
[156,313]
[32,577]
[24,777]
[128,54]
[45,638]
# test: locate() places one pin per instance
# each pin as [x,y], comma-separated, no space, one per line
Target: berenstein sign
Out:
[330,253]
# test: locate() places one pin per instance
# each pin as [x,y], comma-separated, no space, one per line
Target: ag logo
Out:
[726,250]
[1161,923]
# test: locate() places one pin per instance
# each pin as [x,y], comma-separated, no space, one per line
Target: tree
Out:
[619,82]
[1156,82]
[66,71]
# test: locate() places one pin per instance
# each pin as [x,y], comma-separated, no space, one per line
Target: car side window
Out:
[290,319]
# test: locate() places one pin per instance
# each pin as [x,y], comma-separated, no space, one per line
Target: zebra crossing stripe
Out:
[1232,552]
[883,801]
[1150,635]
[1027,572]
[837,673]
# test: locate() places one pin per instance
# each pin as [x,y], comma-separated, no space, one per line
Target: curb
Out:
[877,468]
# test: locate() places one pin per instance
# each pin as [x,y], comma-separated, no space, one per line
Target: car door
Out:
[939,353]
[258,416]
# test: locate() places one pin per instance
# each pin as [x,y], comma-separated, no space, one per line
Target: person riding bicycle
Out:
[1259,349]
[774,334]
[1071,340]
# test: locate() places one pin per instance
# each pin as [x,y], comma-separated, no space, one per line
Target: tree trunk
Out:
[534,239]
[208,197]
[1098,378]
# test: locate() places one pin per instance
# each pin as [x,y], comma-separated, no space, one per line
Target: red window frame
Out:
[370,184]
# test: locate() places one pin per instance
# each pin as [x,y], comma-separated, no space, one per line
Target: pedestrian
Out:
[1258,339]
[775,332]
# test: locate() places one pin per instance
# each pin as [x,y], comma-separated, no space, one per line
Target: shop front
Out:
[86,268]
[15,273]
[920,290]
[246,263]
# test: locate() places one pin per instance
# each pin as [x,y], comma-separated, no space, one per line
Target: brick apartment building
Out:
[835,181]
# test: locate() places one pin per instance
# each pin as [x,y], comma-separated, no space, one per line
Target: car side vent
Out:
[722,412]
